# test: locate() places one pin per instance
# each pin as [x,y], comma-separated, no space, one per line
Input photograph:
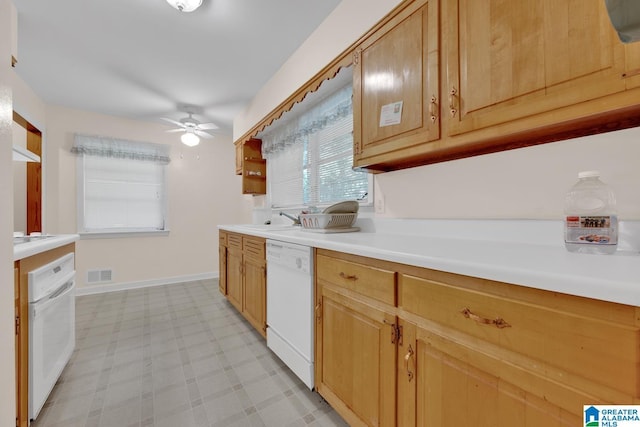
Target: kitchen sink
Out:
[269,227]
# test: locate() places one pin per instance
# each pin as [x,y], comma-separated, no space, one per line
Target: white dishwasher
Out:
[290,306]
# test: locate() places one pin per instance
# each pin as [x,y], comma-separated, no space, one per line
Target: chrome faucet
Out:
[295,219]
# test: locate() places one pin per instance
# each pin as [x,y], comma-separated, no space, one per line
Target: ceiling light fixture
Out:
[190,139]
[185,5]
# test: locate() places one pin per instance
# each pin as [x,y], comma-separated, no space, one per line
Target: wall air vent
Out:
[99,276]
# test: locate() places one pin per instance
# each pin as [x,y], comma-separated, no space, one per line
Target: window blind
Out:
[121,185]
[310,156]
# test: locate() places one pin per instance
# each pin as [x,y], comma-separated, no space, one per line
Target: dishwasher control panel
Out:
[296,257]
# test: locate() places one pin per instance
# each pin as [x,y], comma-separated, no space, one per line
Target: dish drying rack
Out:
[327,221]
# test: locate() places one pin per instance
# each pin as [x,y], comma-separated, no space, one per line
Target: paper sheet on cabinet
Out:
[391,114]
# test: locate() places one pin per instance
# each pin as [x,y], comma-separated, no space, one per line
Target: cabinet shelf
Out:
[252,167]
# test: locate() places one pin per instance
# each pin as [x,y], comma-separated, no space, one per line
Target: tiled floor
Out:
[175,356]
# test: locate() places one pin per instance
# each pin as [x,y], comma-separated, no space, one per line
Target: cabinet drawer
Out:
[367,280]
[234,241]
[254,248]
[222,238]
[602,351]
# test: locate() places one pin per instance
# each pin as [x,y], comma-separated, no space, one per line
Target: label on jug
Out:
[593,230]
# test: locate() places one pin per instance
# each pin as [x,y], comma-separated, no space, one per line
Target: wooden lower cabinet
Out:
[355,358]
[453,384]
[222,262]
[254,304]
[465,351]
[234,278]
[356,339]
[246,278]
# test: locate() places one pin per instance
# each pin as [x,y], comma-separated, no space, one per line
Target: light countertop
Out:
[525,253]
[27,249]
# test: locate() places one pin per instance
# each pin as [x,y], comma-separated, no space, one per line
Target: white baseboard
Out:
[113,287]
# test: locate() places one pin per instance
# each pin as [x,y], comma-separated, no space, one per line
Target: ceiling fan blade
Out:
[172,121]
[207,126]
[203,134]
[175,130]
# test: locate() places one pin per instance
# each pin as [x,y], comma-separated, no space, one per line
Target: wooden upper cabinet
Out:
[508,61]
[632,65]
[252,166]
[397,65]
[238,146]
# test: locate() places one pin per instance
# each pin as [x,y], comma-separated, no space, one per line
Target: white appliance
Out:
[290,306]
[52,316]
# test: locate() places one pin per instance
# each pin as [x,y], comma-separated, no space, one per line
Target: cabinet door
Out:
[222,261]
[459,386]
[239,156]
[355,359]
[632,65]
[397,65]
[234,278]
[255,293]
[507,61]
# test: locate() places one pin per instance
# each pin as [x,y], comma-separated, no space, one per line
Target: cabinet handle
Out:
[499,322]
[407,357]
[348,276]
[433,109]
[453,101]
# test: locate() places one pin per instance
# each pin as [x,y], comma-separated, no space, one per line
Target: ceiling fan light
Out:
[185,5]
[190,139]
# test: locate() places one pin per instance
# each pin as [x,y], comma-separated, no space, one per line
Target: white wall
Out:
[203,192]
[347,23]
[525,183]
[7,341]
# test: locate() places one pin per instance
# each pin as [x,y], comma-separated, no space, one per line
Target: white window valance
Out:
[296,131]
[102,146]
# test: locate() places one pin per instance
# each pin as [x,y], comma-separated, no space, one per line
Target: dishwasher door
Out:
[290,306]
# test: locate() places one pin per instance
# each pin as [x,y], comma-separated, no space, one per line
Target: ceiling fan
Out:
[192,129]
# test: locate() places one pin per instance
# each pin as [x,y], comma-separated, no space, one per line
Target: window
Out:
[121,185]
[310,155]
